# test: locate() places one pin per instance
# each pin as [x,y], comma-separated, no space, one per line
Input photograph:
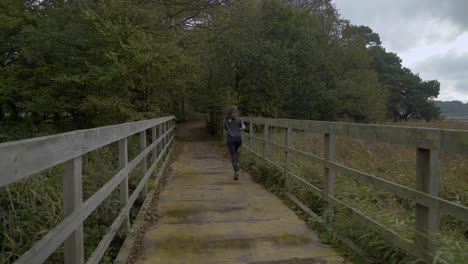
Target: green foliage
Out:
[109,110]
[279,62]
[74,55]
[410,97]
[32,207]
[67,65]
[392,163]
[295,59]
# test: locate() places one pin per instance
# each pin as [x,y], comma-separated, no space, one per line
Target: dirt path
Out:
[207,217]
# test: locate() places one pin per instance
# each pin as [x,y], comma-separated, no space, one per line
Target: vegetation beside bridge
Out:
[67,65]
[390,162]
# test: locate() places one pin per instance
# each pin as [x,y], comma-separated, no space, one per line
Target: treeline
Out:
[453,108]
[84,63]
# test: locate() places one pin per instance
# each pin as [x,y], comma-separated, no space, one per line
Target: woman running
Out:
[234,126]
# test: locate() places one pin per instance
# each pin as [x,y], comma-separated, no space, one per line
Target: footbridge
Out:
[192,211]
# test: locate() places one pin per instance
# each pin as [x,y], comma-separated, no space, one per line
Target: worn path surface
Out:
[207,217]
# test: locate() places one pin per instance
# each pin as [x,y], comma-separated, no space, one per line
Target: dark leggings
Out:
[234,144]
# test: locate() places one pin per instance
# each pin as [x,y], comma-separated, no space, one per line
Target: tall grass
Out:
[31,207]
[390,162]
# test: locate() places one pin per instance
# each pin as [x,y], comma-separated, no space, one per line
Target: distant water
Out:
[462,120]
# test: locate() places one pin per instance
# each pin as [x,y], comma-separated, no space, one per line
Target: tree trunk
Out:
[14,111]
[2,115]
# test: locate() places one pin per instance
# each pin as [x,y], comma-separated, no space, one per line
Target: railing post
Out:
[265,144]
[73,197]
[427,180]
[286,156]
[250,135]
[171,124]
[153,139]
[123,161]
[160,132]
[174,125]
[330,142]
[164,139]
[143,161]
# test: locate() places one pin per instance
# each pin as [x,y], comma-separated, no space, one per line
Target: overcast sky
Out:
[430,36]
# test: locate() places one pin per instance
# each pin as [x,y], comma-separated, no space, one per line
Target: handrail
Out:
[428,143]
[458,211]
[20,159]
[449,140]
[67,149]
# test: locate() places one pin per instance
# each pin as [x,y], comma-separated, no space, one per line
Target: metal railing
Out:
[428,143]
[22,159]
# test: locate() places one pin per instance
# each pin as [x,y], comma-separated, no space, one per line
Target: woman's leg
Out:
[238,144]
[233,152]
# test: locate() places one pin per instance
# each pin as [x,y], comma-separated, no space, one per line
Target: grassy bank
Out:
[391,162]
[31,207]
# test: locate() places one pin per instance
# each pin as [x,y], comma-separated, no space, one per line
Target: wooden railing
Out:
[22,159]
[428,142]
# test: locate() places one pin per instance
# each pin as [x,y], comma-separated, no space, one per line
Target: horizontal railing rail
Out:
[427,141]
[450,208]
[22,159]
[428,138]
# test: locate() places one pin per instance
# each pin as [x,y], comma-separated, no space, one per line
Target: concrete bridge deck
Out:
[207,217]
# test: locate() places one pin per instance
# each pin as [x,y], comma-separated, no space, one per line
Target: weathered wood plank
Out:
[265,144]
[123,192]
[73,198]
[153,139]
[389,234]
[20,159]
[322,222]
[164,164]
[50,242]
[141,185]
[403,243]
[250,134]
[287,143]
[135,232]
[142,138]
[440,139]
[456,210]
[374,225]
[427,180]
[164,129]
[98,253]
[330,142]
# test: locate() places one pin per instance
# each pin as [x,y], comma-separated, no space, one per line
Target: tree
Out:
[277,61]
[409,96]
[92,63]
[362,33]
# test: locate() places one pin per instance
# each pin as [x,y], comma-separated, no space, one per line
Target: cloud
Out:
[453,10]
[454,91]
[450,66]
[405,23]
[451,69]
[430,36]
